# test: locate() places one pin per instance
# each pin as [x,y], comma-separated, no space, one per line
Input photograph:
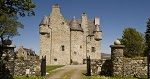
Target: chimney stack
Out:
[97,21]
[56,8]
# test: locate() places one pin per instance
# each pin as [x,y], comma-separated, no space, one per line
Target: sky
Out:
[115,16]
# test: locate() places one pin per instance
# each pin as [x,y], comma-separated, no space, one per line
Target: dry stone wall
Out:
[23,66]
[135,67]
[118,65]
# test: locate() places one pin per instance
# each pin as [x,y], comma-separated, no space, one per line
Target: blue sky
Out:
[115,15]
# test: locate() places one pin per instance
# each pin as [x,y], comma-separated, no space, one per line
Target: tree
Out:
[147,36]
[9,26]
[9,11]
[134,42]
[14,7]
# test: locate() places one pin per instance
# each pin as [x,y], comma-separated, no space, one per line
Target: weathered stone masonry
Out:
[66,42]
[118,65]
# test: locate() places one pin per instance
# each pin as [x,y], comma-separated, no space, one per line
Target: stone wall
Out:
[101,67]
[77,47]
[21,67]
[118,65]
[135,67]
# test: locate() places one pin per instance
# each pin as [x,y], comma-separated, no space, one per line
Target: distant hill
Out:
[105,56]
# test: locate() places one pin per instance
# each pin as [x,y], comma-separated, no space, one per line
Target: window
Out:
[75,52]
[63,48]
[93,49]
[48,35]
[62,23]
[80,46]
[55,59]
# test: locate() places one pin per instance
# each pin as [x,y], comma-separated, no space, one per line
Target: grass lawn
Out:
[48,69]
[103,77]
[52,67]
[31,77]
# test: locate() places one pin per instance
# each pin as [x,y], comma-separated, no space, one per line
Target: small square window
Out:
[55,59]
[48,35]
[93,49]
[80,46]
[62,23]
[75,52]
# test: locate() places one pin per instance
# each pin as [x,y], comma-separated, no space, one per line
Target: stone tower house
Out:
[66,42]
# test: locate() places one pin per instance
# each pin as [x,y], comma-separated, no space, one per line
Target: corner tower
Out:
[56,44]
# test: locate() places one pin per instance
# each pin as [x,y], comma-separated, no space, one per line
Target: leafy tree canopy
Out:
[147,35]
[134,42]
[9,11]
[9,26]
[17,7]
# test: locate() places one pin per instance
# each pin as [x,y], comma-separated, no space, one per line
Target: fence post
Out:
[43,66]
[88,66]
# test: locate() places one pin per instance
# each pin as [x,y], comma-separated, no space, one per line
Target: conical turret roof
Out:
[44,21]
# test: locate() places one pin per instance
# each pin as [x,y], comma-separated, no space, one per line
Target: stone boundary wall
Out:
[101,67]
[24,67]
[136,67]
[118,65]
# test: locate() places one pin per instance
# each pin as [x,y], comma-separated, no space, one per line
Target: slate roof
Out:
[30,52]
[75,25]
[44,21]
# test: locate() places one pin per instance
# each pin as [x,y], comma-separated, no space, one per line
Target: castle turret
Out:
[97,31]
[43,25]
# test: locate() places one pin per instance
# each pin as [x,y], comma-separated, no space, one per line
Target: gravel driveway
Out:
[71,71]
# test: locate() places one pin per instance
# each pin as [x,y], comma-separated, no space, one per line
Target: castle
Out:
[65,42]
